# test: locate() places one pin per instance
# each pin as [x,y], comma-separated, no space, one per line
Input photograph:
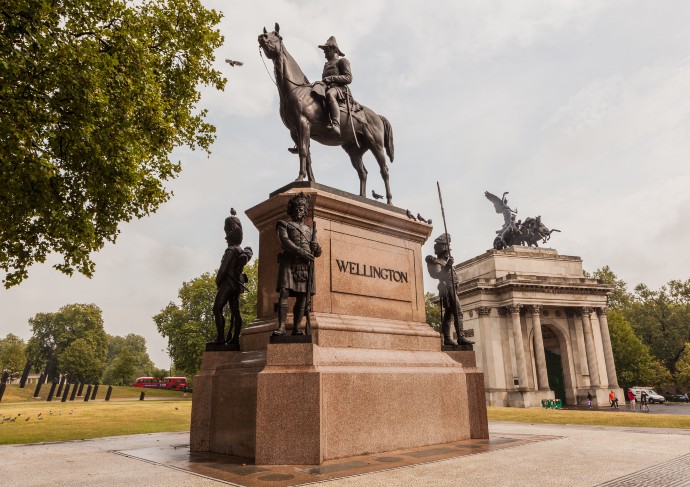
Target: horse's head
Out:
[271,43]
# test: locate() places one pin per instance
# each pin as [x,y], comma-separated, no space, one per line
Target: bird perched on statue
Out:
[410,215]
[376,195]
[422,219]
[234,63]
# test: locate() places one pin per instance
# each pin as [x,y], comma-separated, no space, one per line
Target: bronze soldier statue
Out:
[336,75]
[230,281]
[441,267]
[295,274]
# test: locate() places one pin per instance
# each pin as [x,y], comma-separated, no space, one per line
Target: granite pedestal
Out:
[373,378]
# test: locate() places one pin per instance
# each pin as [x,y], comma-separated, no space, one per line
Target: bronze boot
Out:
[447,337]
[334,114]
[282,317]
[298,314]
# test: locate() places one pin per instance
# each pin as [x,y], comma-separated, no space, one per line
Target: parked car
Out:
[677,397]
[652,396]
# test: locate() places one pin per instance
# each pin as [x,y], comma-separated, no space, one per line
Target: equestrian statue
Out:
[516,232]
[326,112]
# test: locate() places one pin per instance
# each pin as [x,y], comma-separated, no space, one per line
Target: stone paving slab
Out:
[237,472]
[580,456]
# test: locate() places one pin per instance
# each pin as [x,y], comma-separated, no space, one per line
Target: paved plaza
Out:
[518,454]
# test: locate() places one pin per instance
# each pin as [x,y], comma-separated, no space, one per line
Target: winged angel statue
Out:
[515,232]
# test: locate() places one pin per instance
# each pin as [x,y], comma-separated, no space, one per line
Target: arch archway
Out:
[558,367]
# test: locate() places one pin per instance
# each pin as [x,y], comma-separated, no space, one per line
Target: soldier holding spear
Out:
[440,267]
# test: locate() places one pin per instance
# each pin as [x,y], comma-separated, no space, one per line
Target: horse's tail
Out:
[388,137]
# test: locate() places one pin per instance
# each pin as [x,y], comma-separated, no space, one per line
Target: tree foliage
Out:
[53,333]
[635,365]
[433,311]
[12,355]
[662,319]
[127,359]
[682,376]
[94,96]
[619,298]
[81,360]
[189,325]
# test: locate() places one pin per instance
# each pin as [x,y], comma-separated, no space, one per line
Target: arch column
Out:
[590,351]
[514,310]
[540,358]
[608,351]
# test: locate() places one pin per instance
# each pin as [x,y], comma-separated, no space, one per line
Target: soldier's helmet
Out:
[299,200]
[233,228]
[441,243]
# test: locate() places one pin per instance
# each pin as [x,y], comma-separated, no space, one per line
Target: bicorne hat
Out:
[332,43]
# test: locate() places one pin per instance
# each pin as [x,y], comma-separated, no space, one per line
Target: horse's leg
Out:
[310,173]
[381,159]
[356,154]
[303,147]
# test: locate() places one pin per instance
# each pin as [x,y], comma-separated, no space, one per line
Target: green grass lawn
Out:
[14,394]
[81,420]
[598,418]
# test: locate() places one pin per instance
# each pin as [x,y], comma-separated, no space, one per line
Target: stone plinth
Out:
[373,378]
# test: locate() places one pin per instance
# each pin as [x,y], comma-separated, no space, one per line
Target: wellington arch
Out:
[539,325]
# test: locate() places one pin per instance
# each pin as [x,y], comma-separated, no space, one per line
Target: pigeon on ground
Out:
[28,418]
[39,414]
[376,195]
[234,63]
[40,418]
[410,215]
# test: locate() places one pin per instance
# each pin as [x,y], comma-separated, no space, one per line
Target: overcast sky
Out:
[579,109]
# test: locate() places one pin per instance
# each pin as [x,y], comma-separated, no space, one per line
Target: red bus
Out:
[171,383]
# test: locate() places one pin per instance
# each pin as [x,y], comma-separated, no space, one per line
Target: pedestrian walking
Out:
[631,398]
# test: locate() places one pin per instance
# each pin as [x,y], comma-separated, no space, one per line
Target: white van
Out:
[652,396]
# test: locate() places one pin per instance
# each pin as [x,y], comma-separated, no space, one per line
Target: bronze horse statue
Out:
[306,117]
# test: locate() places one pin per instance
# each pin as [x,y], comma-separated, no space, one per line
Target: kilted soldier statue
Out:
[296,271]
[440,267]
[230,281]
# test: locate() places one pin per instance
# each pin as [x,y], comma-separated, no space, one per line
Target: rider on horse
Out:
[336,76]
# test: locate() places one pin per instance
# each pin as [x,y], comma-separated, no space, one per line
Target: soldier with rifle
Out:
[230,281]
[296,270]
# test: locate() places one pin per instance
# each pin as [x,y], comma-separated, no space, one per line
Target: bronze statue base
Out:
[290,339]
[455,348]
[222,347]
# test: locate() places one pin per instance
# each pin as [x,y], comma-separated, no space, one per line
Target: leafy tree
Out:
[433,311]
[122,371]
[190,324]
[94,96]
[635,365]
[619,298]
[160,374]
[248,299]
[12,355]
[662,319]
[137,363]
[53,333]
[682,376]
[82,361]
